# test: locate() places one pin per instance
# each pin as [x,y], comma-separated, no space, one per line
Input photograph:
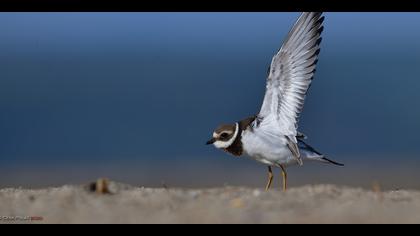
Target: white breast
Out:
[265,147]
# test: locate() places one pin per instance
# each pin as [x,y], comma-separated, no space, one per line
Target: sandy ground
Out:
[126,204]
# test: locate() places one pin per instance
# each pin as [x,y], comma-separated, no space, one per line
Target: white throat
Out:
[226,144]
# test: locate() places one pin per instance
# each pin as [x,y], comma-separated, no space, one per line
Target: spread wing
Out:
[291,73]
[290,76]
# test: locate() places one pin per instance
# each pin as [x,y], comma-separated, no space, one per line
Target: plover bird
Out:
[271,137]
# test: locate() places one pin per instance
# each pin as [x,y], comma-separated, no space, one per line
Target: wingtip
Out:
[299,161]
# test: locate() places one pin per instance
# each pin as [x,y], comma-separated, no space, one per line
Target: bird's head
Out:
[224,135]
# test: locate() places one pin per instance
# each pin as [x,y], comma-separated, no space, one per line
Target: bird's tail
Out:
[331,161]
[310,153]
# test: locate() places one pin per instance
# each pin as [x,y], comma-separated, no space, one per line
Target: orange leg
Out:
[270,179]
[284,174]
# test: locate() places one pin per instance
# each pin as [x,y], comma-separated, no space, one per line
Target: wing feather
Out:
[290,76]
[291,73]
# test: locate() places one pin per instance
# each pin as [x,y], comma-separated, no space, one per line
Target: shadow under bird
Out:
[271,137]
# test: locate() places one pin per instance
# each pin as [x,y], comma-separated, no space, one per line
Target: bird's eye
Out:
[224,135]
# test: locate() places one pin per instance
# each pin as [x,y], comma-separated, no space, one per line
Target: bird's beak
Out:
[211,141]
